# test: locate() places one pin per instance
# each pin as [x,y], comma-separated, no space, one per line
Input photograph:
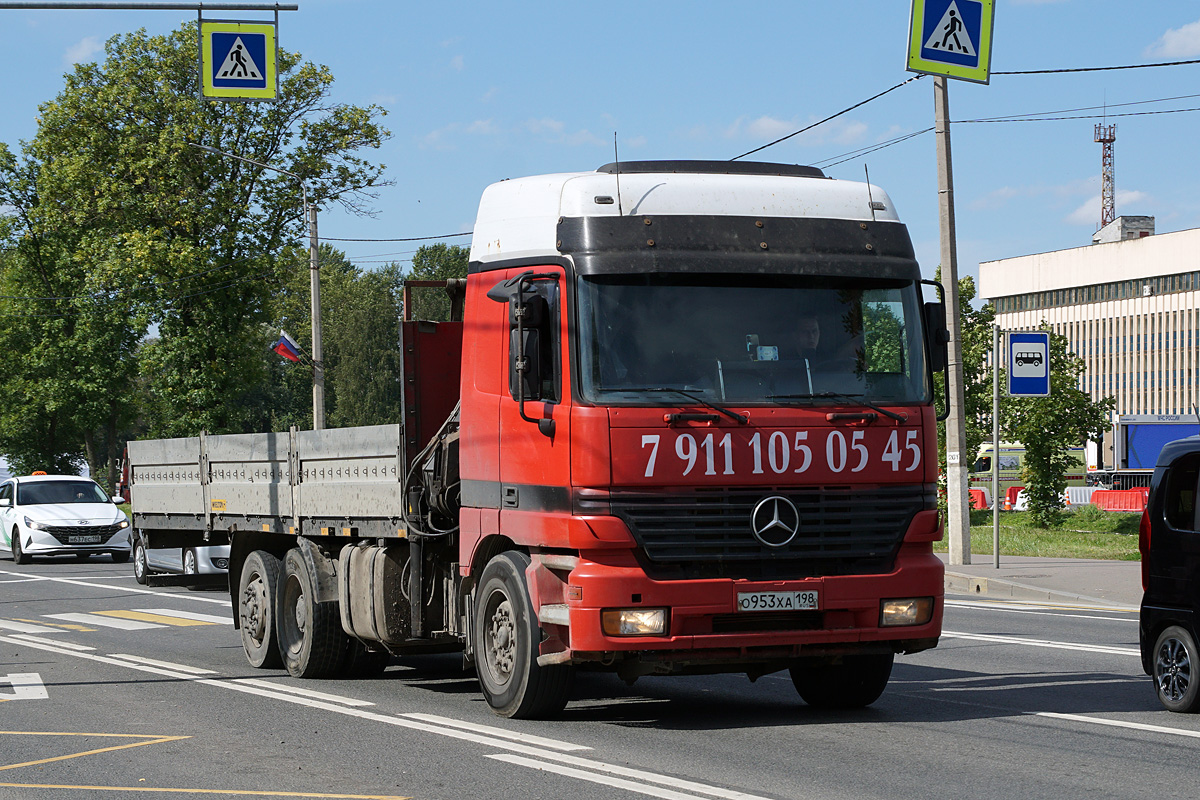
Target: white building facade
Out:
[1129,308]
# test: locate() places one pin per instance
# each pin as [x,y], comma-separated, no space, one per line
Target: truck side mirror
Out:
[524,364]
[937,336]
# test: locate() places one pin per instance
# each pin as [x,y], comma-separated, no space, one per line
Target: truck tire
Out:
[311,639]
[140,568]
[258,587]
[851,682]
[507,636]
[19,555]
[1176,670]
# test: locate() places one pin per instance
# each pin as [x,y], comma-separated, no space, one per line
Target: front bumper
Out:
[705,626]
[42,543]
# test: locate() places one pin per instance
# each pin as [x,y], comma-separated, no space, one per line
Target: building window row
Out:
[1099,292]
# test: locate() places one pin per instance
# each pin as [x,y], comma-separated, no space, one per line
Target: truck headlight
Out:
[634,621]
[907,611]
[35,525]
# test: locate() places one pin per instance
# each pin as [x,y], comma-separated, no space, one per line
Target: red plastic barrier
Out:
[1010,497]
[978,499]
[1121,499]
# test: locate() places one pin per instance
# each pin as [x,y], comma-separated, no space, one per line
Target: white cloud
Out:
[483,127]
[1177,43]
[440,139]
[456,63]
[82,50]
[766,128]
[1089,212]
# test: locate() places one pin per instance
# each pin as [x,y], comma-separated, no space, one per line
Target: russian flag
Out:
[287,347]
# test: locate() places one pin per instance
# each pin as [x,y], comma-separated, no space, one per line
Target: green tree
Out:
[360,342]
[976,335]
[155,235]
[1048,426]
[435,262]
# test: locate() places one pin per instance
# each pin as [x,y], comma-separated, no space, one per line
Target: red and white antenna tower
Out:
[1106,135]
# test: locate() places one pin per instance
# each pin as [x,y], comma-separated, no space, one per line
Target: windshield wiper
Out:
[742,419]
[856,399]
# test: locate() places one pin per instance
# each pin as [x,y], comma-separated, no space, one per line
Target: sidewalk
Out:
[1060,580]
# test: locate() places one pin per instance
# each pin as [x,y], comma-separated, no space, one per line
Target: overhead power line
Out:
[409,239]
[1098,69]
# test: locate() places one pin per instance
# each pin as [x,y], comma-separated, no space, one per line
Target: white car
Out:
[204,560]
[52,515]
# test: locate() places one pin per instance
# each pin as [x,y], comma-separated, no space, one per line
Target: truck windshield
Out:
[768,340]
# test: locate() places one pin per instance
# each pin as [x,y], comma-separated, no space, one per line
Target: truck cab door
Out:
[535,463]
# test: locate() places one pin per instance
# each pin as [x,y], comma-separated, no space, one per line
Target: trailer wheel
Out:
[1176,673]
[849,682]
[507,636]
[311,640]
[257,590]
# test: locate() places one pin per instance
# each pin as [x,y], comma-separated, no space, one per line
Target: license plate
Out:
[777,601]
[93,538]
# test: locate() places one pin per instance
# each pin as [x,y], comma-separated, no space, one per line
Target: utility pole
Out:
[957,462]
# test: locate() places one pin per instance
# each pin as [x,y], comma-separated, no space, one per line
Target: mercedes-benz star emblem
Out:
[775,521]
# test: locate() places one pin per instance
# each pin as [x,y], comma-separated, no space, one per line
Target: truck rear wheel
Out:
[257,588]
[848,682]
[507,636]
[311,639]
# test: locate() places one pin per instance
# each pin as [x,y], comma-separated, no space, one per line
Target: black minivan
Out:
[1169,541]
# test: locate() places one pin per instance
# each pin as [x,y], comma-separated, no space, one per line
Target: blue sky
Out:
[481,91]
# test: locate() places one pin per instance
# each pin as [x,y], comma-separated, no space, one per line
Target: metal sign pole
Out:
[996,446]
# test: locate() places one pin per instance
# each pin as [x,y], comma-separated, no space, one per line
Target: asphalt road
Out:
[109,689]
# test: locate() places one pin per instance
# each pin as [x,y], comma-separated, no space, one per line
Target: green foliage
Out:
[435,262]
[976,336]
[131,231]
[1049,426]
[360,342]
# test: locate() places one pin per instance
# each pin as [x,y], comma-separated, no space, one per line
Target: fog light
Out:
[909,611]
[634,621]
[221,563]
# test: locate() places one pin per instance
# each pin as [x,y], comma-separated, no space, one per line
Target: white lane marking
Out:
[131,589]
[193,615]
[77,648]
[527,738]
[1116,723]
[26,686]
[25,627]
[164,664]
[700,789]
[570,772]
[1083,648]
[1047,611]
[279,687]
[106,622]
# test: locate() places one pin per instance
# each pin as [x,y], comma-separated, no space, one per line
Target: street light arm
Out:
[247,160]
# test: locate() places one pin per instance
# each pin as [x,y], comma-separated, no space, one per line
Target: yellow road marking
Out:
[160,618]
[56,624]
[152,740]
[226,792]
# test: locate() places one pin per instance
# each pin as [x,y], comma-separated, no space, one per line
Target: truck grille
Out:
[706,533]
[63,533]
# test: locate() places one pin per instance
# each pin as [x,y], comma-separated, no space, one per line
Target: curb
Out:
[959,583]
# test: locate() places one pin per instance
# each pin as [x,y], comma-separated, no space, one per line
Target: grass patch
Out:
[1087,533]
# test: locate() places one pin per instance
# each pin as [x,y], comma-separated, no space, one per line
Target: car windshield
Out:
[35,493]
[768,340]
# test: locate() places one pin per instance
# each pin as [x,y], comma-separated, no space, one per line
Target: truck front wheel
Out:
[311,639]
[257,588]
[506,638]
[846,682]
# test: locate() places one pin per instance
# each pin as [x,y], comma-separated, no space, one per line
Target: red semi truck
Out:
[626,455]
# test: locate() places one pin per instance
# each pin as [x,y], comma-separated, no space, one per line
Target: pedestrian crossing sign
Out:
[237,60]
[951,38]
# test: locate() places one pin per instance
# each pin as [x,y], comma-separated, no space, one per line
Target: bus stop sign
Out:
[1028,363]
